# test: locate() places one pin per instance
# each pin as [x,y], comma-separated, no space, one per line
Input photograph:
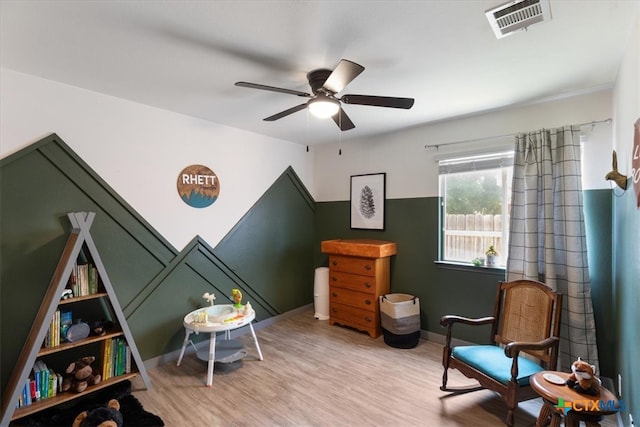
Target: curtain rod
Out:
[436,146]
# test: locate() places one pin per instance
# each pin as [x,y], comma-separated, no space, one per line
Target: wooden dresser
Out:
[359,272]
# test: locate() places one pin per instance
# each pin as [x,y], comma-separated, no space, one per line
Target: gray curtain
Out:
[547,239]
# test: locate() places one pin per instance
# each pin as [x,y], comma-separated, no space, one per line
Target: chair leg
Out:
[443,387]
[455,390]
[446,352]
[511,416]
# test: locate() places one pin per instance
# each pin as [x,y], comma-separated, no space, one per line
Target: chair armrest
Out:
[513,350]
[450,319]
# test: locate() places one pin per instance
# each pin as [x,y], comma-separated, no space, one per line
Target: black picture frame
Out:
[368,197]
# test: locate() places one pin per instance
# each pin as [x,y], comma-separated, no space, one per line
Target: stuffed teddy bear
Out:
[80,374]
[103,416]
[583,378]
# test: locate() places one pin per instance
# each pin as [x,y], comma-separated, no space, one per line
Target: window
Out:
[476,198]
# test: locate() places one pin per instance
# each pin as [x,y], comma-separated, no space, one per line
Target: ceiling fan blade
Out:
[342,75]
[273,89]
[286,113]
[342,120]
[378,101]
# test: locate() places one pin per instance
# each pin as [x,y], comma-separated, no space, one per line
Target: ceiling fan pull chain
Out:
[339,134]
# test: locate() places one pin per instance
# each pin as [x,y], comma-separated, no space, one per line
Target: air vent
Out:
[517,15]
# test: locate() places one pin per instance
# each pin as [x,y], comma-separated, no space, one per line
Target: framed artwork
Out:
[367,201]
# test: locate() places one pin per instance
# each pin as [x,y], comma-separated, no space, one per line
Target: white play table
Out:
[234,319]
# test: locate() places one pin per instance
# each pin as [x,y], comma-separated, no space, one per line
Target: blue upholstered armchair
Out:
[524,340]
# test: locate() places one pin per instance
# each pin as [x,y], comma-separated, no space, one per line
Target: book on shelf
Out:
[116,358]
[66,320]
[25,398]
[84,278]
[34,392]
[52,338]
[44,383]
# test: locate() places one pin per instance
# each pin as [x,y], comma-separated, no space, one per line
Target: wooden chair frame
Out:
[510,297]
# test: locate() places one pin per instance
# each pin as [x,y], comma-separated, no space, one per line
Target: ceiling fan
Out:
[325,84]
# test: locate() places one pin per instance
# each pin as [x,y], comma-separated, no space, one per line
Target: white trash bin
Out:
[321,293]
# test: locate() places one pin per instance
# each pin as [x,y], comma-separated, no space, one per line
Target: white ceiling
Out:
[185,56]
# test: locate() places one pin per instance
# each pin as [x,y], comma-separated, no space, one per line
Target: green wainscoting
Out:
[626,295]
[156,285]
[598,226]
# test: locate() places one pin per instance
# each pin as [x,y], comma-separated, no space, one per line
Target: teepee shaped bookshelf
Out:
[79,245]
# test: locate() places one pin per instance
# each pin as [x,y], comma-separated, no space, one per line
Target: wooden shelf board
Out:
[84,297]
[68,345]
[66,396]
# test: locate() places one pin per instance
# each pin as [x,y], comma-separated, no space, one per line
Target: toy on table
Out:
[236,296]
[209,297]
[583,378]
[103,416]
[200,317]
[247,309]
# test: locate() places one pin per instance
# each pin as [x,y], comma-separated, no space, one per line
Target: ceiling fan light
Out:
[323,107]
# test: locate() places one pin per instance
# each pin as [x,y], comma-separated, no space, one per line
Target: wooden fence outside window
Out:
[469,236]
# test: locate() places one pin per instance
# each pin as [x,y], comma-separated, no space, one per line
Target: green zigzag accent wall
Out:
[268,254]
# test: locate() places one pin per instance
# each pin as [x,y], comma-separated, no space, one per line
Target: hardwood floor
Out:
[314,374]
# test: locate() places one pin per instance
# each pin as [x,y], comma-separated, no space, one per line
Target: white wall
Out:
[412,171]
[140,150]
[627,99]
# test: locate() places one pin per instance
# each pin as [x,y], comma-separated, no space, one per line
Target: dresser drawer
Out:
[352,316]
[361,300]
[364,266]
[366,284]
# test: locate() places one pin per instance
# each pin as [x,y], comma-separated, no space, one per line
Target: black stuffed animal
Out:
[100,327]
[103,416]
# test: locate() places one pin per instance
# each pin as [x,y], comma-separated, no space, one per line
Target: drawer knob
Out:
[335,310]
[333,294]
[368,302]
[334,278]
[334,263]
[367,319]
[367,285]
[367,267]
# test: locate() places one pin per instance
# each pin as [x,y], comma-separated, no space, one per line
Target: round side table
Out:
[560,400]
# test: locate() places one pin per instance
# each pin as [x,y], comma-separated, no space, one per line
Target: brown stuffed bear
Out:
[79,375]
[104,416]
[583,378]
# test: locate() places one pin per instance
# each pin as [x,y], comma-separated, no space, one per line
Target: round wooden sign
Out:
[198,186]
